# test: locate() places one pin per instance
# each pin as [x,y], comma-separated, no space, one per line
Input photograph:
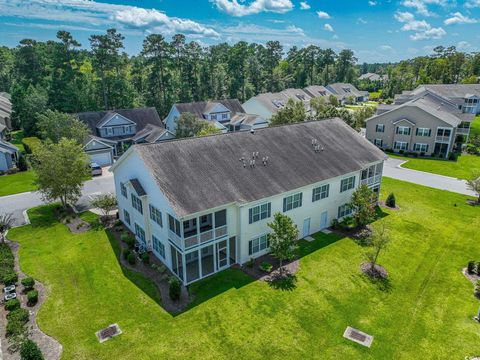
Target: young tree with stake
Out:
[283,236]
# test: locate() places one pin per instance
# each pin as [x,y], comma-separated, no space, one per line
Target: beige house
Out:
[425,125]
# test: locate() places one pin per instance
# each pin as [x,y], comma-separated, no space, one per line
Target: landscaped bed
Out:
[425,313]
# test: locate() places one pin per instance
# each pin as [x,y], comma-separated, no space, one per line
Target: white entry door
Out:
[324,220]
[306,227]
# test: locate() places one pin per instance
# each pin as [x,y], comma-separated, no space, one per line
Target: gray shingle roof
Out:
[142,117]
[201,107]
[196,174]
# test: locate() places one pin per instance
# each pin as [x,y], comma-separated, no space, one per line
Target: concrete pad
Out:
[326,231]
[308,238]
[358,336]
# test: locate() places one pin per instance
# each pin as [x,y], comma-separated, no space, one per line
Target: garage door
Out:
[102,159]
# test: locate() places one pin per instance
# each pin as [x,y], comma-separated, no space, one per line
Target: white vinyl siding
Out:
[347,184]
[158,246]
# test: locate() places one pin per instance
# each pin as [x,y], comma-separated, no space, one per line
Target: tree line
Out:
[61,75]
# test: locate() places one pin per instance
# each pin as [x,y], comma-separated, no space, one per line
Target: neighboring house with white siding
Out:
[202,204]
[112,132]
[227,115]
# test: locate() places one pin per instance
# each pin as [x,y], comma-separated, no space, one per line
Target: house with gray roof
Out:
[202,204]
[345,91]
[373,77]
[427,125]
[5,111]
[9,155]
[226,115]
[112,132]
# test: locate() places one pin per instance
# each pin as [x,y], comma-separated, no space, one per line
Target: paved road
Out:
[393,169]
[18,203]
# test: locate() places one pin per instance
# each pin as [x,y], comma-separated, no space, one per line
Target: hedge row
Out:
[31,144]
[8,276]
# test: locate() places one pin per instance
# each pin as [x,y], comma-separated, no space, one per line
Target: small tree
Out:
[208,129]
[6,222]
[332,99]
[189,125]
[55,125]
[283,236]
[61,170]
[380,241]
[391,201]
[293,112]
[106,203]
[474,185]
[363,204]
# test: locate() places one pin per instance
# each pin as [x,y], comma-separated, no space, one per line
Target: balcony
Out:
[371,180]
[442,139]
[463,131]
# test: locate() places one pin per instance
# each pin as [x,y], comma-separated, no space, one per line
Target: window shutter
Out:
[250,247]
[409,130]
[284,204]
[416,131]
[313,195]
[429,132]
[406,146]
[269,209]
[250,216]
[426,149]
[396,130]
[301,196]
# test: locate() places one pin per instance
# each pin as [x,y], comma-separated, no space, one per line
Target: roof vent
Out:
[252,131]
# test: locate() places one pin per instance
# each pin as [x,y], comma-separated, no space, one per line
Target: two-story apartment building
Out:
[203,204]
[112,132]
[426,125]
[226,115]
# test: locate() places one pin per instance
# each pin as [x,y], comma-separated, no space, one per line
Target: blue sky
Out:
[377,30]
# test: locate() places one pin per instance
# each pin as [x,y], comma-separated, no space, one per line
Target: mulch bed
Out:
[160,279]
[473,202]
[383,205]
[288,269]
[473,278]
[71,220]
[378,272]
[50,348]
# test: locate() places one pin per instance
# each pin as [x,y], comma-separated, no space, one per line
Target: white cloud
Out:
[233,7]
[421,6]
[472,4]
[323,15]
[423,30]
[433,33]
[459,18]
[361,21]
[372,3]
[97,14]
[463,45]
[304,5]
[386,48]
[328,27]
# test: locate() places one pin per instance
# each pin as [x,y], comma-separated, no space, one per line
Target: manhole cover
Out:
[108,332]
[358,336]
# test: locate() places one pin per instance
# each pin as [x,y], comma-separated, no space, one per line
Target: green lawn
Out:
[475,129]
[17,137]
[424,313]
[17,183]
[461,169]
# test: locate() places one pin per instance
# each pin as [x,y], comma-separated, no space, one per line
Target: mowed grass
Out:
[17,183]
[17,137]
[475,127]
[463,168]
[425,312]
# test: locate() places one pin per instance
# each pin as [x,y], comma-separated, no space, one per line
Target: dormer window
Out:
[224,116]
[213,116]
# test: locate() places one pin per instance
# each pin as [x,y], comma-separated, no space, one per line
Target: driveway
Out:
[394,170]
[18,203]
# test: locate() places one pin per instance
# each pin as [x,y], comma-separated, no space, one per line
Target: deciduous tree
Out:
[283,237]
[54,125]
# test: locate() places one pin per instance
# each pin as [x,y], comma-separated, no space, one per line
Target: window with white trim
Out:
[137,203]
[320,192]
[423,132]
[347,184]
[380,128]
[259,212]
[155,215]
[292,202]
[400,145]
[174,225]
[123,190]
[126,216]
[378,142]
[139,233]
[420,147]
[344,210]
[403,130]
[158,246]
[258,244]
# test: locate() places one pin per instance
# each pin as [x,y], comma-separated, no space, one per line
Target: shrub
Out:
[32,297]
[15,328]
[266,266]
[29,350]
[145,258]
[335,224]
[28,283]
[22,164]
[471,267]
[20,315]
[391,201]
[118,223]
[250,263]
[129,240]
[476,292]
[401,152]
[477,268]
[174,288]
[10,278]
[131,258]
[126,252]
[12,305]
[31,144]
[452,156]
